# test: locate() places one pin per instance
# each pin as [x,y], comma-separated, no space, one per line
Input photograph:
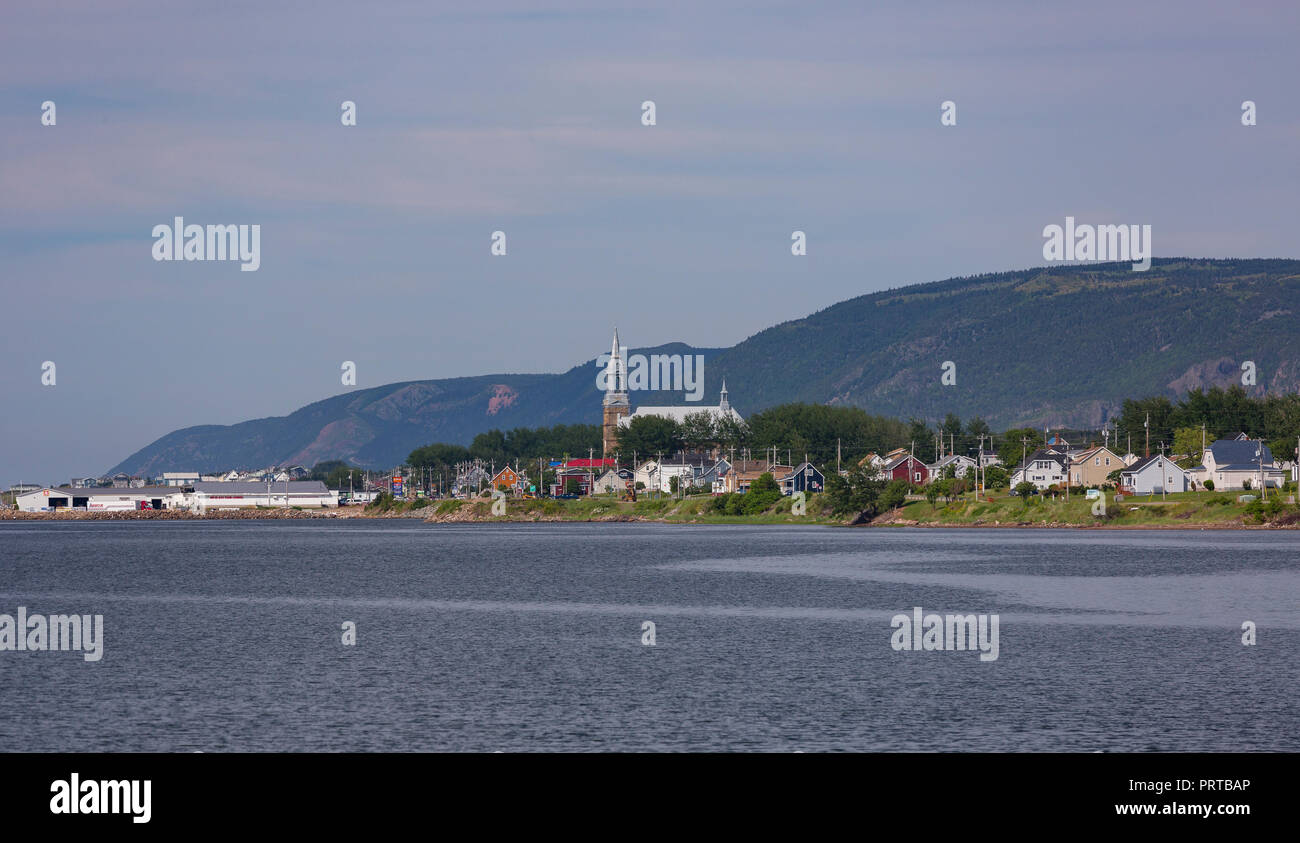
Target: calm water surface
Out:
[226,636]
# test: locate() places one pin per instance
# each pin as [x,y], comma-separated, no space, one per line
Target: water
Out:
[226,636]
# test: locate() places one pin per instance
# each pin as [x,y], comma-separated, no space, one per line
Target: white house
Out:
[1154,475]
[612,481]
[1043,468]
[960,463]
[1238,463]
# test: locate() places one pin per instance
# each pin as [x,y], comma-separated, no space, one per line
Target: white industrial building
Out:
[304,493]
[196,497]
[105,499]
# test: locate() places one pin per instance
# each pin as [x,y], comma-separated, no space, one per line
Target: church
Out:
[618,412]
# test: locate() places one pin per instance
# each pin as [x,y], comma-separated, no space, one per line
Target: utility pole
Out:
[1146,449]
[837,455]
[1162,475]
[1263,490]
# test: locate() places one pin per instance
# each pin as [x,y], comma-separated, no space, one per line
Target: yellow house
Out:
[1091,467]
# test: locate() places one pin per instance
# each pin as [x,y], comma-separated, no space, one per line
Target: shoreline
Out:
[469,515]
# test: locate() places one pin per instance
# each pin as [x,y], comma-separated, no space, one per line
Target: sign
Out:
[397,487]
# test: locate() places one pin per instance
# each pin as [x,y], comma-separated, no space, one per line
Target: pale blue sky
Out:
[771,118]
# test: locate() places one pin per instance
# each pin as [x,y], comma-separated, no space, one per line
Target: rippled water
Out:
[226,636]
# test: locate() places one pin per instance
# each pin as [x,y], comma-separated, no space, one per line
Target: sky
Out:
[526,118]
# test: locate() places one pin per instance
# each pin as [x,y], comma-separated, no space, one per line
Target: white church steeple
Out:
[616,376]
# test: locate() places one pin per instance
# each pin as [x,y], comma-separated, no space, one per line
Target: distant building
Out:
[1092,466]
[180,478]
[1154,475]
[235,495]
[678,413]
[616,405]
[583,478]
[747,471]
[613,482]
[906,467]
[1044,468]
[509,480]
[106,499]
[960,463]
[806,478]
[714,479]
[1236,463]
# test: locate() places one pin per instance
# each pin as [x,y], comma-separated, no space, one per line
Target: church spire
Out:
[616,375]
[724,404]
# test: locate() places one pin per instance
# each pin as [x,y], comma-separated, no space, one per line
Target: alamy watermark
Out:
[122,796]
[674,372]
[1098,243]
[84,633]
[946,632]
[181,242]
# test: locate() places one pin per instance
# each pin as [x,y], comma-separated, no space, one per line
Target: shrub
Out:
[1209,485]
[895,493]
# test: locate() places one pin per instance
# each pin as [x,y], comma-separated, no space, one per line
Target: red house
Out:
[909,468]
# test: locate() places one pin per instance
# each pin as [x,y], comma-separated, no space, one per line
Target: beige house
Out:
[1090,467]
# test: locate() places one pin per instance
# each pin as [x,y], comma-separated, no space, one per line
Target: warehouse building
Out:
[304,493]
[48,498]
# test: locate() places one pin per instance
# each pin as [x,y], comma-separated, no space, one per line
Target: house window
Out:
[1097,461]
[1108,461]
[917,477]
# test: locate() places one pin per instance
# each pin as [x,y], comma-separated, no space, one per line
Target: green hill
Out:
[1062,346]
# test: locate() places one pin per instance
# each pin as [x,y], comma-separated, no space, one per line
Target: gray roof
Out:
[296,487]
[109,491]
[1233,451]
[1146,461]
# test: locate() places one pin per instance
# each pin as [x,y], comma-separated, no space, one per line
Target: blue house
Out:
[806,478]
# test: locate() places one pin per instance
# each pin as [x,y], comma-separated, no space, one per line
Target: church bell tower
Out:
[616,403]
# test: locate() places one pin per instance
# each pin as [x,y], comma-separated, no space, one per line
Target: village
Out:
[1057,466]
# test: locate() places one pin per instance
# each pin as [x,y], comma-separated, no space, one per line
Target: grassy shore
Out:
[692,510]
[1184,510]
[1191,510]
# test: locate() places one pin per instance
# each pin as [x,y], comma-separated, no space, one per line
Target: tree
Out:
[951,432]
[1024,489]
[438,456]
[572,486]
[975,428]
[918,433]
[1011,451]
[649,435]
[858,492]
[763,492]
[1187,441]
[996,477]
[932,493]
[894,494]
[698,431]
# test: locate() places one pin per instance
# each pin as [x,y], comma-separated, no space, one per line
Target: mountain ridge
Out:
[1060,345]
